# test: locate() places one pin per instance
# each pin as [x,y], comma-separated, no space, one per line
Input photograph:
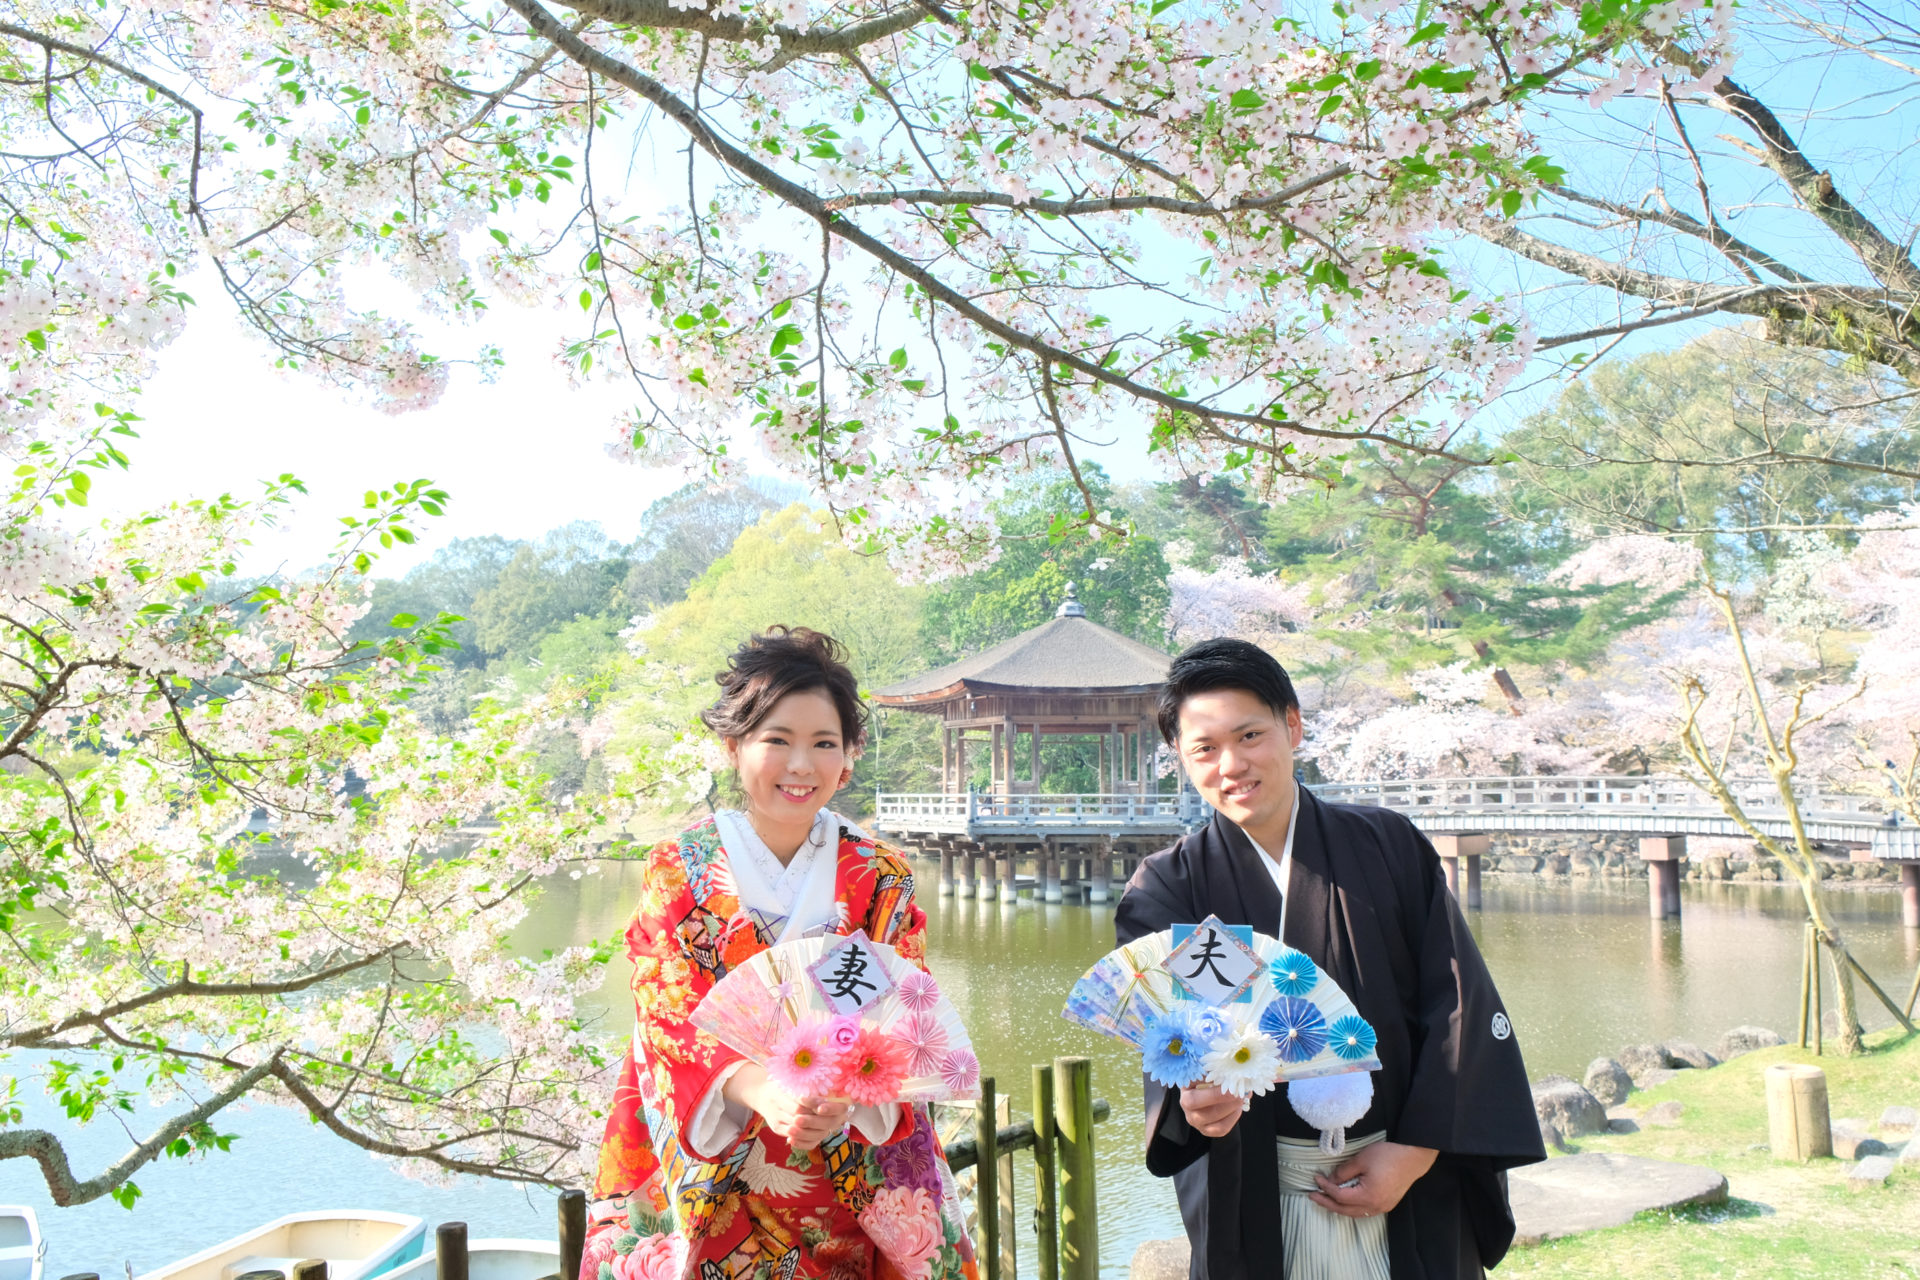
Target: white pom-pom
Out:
[1332,1103]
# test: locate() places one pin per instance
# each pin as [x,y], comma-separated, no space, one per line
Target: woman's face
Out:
[792,762]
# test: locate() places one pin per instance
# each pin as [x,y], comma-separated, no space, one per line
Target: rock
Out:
[1685,1053]
[1639,1059]
[1592,1191]
[1622,1124]
[1608,1081]
[1665,1114]
[1898,1123]
[1715,869]
[1745,1040]
[1567,1109]
[1161,1260]
[1852,1142]
[1654,1079]
[1870,1173]
[1910,1154]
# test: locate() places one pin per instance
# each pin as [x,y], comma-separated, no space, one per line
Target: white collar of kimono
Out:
[1281,868]
[796,899]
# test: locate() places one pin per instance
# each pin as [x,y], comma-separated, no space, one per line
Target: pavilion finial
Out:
[1071,606]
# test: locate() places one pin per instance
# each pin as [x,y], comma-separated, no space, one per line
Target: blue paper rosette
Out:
[1293,974]
[1352,1038]
[1296,1026]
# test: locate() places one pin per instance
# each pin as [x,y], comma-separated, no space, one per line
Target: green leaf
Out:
[898,359]
[403,620]
[1246,100]
[586,299]
[363,116]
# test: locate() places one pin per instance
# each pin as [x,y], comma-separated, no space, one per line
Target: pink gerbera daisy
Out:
[872,1069]
[804,1060]
[925,1041]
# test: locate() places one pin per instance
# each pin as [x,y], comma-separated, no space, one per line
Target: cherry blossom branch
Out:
[67,1190]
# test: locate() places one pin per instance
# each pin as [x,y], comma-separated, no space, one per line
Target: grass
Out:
[1784,1221]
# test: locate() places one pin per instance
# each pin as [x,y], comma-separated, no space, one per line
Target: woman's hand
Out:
[1212,1112]
[804,1122]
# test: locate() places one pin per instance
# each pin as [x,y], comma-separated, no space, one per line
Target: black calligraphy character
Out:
[1209,952]
[851,976]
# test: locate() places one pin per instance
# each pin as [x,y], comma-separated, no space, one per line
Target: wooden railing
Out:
[1060,1135]
[979,808]
[1629,793]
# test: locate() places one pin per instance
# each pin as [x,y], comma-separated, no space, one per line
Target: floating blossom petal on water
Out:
[1293,973]
[1172,1053]
[1296,1027]
[919,992]
[925,1041]
[1245,1062]
[1352,1038]
[960,1072]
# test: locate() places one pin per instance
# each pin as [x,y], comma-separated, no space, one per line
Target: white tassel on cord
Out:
[1331,1104]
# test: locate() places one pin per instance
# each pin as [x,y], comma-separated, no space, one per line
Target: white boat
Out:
[356,1246]
[21,1248]
[491,1260]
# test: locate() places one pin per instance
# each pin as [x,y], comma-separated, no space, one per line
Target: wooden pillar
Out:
[1009,888]
[1663,855]
[1910,894]
[946,873]
[1033,756]
[1452,850]
[966,874]
[1798,1125]
[1050,858]
[1073,1129]
[1100,887]
[946,761]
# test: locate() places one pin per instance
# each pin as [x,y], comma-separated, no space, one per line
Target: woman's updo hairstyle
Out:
[780,661]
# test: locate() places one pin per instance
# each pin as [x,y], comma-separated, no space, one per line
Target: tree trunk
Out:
[1847,1011]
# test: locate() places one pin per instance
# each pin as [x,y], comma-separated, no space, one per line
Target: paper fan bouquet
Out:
[844,1017]
[1219,1004]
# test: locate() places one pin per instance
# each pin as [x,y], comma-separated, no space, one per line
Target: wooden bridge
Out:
[1075,841]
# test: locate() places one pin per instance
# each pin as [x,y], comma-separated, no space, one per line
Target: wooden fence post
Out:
[450,1250]
[573,1232]
[1046,1199]
[1073,1121]
[1009,1232]
[986,1173]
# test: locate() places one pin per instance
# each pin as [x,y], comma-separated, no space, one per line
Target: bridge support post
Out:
[1101,884]
[1050,877]
[1663,856]
[966,874]
[946,873]
[1910,894]
[1009,887]
[1455,849]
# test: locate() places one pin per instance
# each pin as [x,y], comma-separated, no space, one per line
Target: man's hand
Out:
[1381,1174]
[1211,1111]
[804,1122]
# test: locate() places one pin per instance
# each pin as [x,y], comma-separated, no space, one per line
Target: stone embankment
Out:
[1708,858]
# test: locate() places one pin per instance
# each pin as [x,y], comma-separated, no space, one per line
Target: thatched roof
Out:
[1070,653]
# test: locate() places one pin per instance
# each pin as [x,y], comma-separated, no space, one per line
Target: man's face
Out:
[1239,754]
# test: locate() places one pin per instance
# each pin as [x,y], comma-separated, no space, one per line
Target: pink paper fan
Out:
[960,1072]
[919,992]
[925,1041]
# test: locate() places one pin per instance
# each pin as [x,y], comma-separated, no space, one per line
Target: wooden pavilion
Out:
[1069,677]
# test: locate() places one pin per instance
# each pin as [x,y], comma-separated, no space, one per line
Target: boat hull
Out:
[356,1246]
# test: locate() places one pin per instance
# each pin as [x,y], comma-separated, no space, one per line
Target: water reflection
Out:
[1582,967]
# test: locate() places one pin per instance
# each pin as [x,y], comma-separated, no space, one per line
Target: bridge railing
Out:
[932,810]
[1576,793]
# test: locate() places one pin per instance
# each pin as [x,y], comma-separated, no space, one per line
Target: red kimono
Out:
[759,1211]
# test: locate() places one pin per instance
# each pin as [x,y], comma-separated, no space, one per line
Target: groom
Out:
[1361,893]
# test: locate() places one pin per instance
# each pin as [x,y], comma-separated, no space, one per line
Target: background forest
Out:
[1439,617]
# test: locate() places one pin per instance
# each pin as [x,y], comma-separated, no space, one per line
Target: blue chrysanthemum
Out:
[1172,1054]
[1293,974]
[1352,1038]
[1296,1026]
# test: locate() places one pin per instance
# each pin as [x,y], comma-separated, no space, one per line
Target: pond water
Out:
[1581,967]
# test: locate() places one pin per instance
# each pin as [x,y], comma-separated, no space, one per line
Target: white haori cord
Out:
[1316,1243]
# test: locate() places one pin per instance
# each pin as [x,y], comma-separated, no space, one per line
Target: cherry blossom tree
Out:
[235,864]
[1877,586]
[920,245]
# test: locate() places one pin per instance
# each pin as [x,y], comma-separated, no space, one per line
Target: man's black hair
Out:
[1222,663]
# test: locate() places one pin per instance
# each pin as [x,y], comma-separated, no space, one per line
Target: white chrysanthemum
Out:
[1244,1062]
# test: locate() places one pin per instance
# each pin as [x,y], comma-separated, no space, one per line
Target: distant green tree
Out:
[1121,582]
[573,572]
[1728,436]
[1209,521]
[449,582]
[683,533]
